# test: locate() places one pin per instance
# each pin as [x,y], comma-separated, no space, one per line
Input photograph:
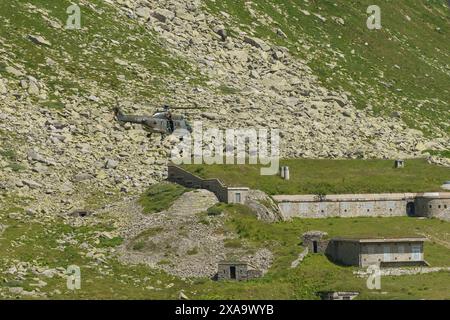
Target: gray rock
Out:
[396,114]
[346,113]
[39,40]
[182,296]
[32,184]
[281,33]
[209,116]
[80,213]
[258,43]
[14,215]
[111,164]
[34,156]
[33,89]
[143,12]
[82,177]
[3,88]
[163,15]
[220,30]
[14,71]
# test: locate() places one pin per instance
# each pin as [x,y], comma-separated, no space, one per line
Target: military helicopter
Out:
[163,122]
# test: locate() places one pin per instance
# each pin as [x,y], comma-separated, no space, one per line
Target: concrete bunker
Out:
[315,241]
[338,295]
[384,252]
[237,270]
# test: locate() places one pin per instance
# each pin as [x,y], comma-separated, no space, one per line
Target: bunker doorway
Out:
[314,246]
[171,125]
[410,209]
[233,272]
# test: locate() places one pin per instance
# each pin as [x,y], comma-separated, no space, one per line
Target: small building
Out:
[237,194]
[338,295]
[399,163]
[385,252]
[315,241]
[237,270]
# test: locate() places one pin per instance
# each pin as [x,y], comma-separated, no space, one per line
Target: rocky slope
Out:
[183,240]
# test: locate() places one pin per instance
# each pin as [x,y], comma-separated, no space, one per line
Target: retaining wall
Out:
[369,205]
[222,192]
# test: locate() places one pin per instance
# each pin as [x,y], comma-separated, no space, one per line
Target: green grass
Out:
[160,197]
[332,176]
[113,242]
[418,87]
[216,209]
[38,244]
[87,56]
[439,153]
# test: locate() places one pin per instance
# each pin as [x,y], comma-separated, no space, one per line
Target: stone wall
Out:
[344,252]
[398,253]
[222,192]
[384,253]
[433,205]
[243,271]
[365,205]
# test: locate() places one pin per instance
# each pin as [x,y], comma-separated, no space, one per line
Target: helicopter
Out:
[163,122]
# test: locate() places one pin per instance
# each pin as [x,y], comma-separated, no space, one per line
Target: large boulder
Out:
[163,15]
[265,208]
[258,43]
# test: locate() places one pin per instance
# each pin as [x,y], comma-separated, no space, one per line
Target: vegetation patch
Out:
[387,70]
[233,243]
[439,153]
[216,209]
[113,242]
[160,197]
[192,251]
[326,176]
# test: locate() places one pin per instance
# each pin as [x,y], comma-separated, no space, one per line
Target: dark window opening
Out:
[410,209]
[315,246]
[233,272]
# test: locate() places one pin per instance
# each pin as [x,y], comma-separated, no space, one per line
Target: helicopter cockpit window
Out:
[160,115]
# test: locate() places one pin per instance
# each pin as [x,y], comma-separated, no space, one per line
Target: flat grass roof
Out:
[325,176]
[380,240]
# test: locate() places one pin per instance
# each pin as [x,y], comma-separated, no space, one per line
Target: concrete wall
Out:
[243,272]
[224,273]
[189,180]
[393,253]
[355,253]
[433,205]
[233,194]
[344,252]
[364,205]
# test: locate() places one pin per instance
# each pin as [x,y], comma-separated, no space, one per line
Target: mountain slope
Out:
[404,67]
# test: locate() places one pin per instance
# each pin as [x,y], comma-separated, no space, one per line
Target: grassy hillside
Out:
[160,197]
[333,176]
[106,278]
[403,67]
[109,52]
